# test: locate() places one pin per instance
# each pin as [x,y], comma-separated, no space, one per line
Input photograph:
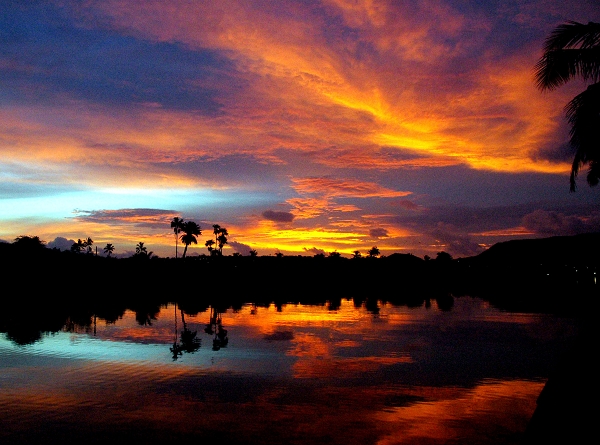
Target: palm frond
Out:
[593,176]
[573,49]
[583,113]
[557,67]
[573,35]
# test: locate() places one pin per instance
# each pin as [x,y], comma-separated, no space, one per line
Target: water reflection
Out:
[215,327]
[333,373]
[187,342]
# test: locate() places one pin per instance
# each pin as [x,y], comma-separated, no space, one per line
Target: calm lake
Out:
[293,374]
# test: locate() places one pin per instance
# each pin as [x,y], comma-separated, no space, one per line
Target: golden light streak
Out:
[280,51]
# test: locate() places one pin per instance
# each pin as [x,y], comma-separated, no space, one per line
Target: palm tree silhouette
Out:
[215,326]
[109,249]
[176,225]
[573,50]
[190,231]
[141,251]
[209,245]
[374,252]
[222,239]
[88,244]
[78,246]
[216,230]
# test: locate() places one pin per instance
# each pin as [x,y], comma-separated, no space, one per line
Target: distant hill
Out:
[572,250]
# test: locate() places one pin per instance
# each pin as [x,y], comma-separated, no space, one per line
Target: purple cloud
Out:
[282,217]
[554,223]
[378,233]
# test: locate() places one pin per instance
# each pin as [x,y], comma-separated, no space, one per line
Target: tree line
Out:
[186,233]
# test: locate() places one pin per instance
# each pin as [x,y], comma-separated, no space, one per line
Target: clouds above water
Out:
[414,123]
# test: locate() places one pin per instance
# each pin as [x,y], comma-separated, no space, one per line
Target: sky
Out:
[301,126]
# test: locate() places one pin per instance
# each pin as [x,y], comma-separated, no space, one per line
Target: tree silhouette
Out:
[209,245]
[215,326]
[443,257]
[220,239]
[141,251]
[87,244]
[573,50]
[109,249]
[373,252]
[29,243]
[191,231]
[78,246]
[356,254]
[176,225]
[253,253]
[188,341]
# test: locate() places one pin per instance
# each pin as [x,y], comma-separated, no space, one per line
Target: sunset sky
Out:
[302,126]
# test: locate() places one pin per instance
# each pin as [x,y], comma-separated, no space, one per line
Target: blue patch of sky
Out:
[44,53]
[62,205]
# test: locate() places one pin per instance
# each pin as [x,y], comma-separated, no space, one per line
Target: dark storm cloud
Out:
[541,218]
[378,233]
[44,56]
[282,217]
[406,204]
[456,242]
[556,223]
[469,219]
[556,153]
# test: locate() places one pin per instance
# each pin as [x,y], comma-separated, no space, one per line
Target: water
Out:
[294,374]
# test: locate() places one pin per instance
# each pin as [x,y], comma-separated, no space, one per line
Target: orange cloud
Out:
[294,64]
[346,188]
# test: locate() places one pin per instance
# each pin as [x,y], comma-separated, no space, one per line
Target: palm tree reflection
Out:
[215,327]
[186,341]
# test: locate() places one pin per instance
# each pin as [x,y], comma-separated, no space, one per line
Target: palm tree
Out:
[209,244]
[176,225]
[88,244]
[573,50]
[373,252]
[356,254]
[109,249]
[78,246]
[190,231]
[140,249]
[222,239]
[216,230]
